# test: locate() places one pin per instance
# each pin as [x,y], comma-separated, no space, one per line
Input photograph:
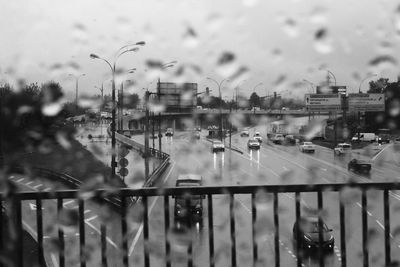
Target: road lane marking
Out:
[54,260]
[91,218]
[98,232]
[37,186]
[140,230]
[20,180]
[86,211]
[369,213]
[47,189]
[380,152]
[28,183]
[68,202]
[286,169]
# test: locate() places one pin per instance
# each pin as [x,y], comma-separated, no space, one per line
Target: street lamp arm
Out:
[369,76]
[330,72]
[141,43]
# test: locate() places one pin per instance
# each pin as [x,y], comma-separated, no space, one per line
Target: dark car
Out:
[188,208]
[360,166]
[309,234]
[169,132]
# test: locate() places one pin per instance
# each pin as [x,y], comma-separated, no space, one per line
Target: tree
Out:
[378,85]
[254,100]
[131,101]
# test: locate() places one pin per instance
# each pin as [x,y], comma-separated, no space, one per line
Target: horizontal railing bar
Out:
[204,190]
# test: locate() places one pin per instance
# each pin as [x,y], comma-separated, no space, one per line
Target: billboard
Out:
[323,102]
[366,102]
[332,89]
[176,96]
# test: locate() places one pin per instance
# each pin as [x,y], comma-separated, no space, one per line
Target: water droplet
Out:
[51,109]
[397,19]
[383,60]
[322,43]
[290,27]
[318,16]
[394,108]
[250,3]
[190,38]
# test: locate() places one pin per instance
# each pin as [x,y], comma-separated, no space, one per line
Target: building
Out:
[177,97]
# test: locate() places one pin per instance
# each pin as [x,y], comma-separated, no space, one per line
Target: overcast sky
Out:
[277,43]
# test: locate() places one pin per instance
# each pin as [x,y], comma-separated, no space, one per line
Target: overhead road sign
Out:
[366,102]
[323,102]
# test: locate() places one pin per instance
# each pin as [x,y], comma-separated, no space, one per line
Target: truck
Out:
[364,137]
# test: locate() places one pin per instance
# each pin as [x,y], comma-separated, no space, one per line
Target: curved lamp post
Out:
[312,84]
[369,76]
[76,87]
[220,108]
[123,50]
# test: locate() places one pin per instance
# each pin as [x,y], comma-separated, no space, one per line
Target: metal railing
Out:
[13,205]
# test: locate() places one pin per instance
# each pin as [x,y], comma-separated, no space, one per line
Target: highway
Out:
[274,164]
[271,165]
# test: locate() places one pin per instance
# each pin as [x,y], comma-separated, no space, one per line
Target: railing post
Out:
[320,229]
[299,244]
[364,227]
[276,223]
[386,214]
[253,231]
[210,229]
[233,232]
[82,249]
[60,234]
[342,231]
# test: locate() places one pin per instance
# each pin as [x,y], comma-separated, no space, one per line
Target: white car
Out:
[307,147]
[342,148]
[217,146]
[257,136]
[253,144]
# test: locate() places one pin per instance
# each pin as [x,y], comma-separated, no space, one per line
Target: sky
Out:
[262,46]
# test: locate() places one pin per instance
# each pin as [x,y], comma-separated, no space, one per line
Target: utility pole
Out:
[146,138]
[159,117]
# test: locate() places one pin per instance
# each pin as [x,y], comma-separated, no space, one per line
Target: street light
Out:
[163,66]
[254,90]
[220,108]
[312,85]
[76,88]
[237,92]
[120,52]
[369,76]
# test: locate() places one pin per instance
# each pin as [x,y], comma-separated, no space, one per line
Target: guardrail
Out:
[65,179]
[153,152]
[257,209]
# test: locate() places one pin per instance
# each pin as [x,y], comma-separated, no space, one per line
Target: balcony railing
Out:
[12,206]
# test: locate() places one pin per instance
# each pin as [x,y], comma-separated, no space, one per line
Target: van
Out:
[364,137]
[188,208]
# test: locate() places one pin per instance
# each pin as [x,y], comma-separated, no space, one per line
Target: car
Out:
[307,147]
[195,135]
[217,146]
[253,144]
[257,136]
[188,208]
[244,133]
[396,141]
[290,140]
[342,148]
[278,139]
[169,132]
[359,166]
[308,228]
